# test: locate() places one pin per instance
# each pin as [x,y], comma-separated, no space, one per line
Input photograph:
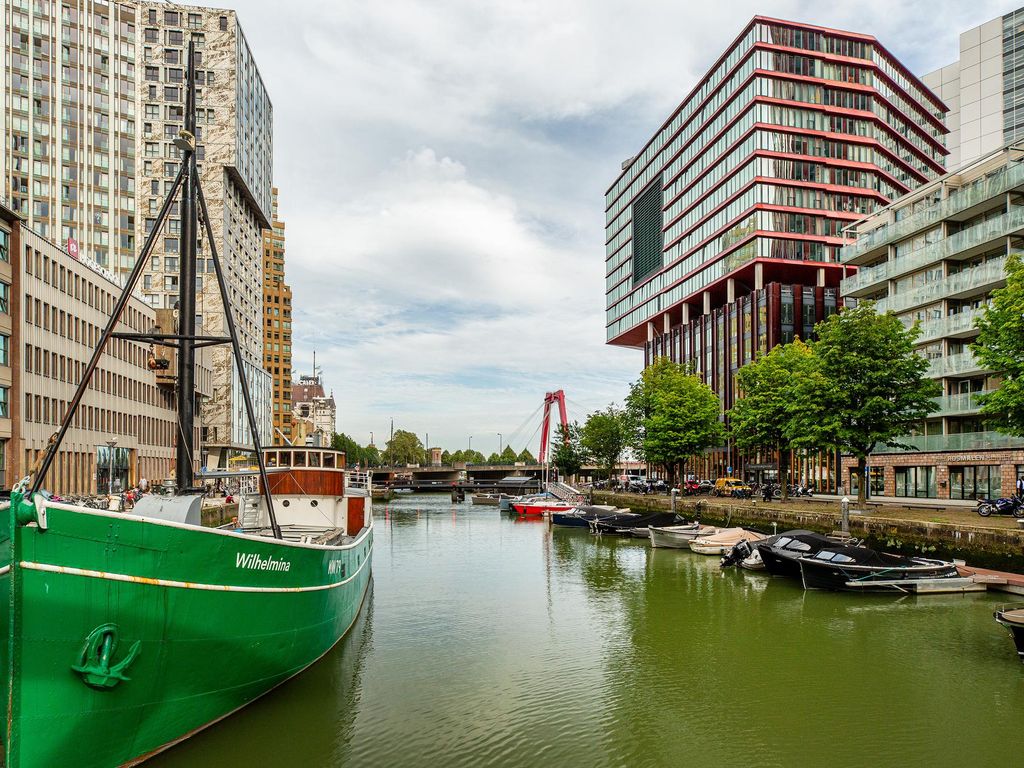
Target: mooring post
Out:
[673,494]
[844,506]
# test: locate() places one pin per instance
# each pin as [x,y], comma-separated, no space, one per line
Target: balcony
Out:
[873,278]
[961,325]
[962,199]
[961,364]
[963,284]
[959,405]
[962,441]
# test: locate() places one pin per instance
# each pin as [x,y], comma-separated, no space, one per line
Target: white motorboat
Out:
[723,541]
[679,536]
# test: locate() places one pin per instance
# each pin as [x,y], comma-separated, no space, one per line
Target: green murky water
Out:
[489,641]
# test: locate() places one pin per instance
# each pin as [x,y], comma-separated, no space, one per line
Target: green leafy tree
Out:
[494,458]
[353,451]
[458,457]
[568,453]
[673,415]
[446,458]
[474,457]
[526,457]
[371,456]
[764,416]
[604,437]
[868,387]
[1000,346]
[508,456]
[404,448]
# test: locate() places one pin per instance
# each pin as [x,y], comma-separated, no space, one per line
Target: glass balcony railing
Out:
[986,232]
[958,405]
[965,197]
[962,441]
[965,282]
[951,325]
[960,364]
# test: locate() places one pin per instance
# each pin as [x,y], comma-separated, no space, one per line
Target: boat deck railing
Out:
[358,480]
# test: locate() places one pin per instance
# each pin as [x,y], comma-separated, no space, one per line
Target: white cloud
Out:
[442,168]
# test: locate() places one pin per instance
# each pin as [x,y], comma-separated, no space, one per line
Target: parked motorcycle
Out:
[1009,505]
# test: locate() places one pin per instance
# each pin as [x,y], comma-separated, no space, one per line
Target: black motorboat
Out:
[582,515]
[1012,617]
[860,569]
[626,524]
[781,554]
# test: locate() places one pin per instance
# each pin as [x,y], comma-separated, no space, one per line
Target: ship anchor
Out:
[94,659]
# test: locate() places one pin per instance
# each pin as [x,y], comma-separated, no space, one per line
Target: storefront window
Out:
[916,482]
[112,461]
[876,475]
[975,482]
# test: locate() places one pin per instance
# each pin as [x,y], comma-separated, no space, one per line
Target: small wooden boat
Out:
[1012,617]
[860,569]
[723,541]
[679,536]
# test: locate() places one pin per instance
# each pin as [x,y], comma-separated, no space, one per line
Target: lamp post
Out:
[499,445]
[371,438]
[111,444]
[470,444]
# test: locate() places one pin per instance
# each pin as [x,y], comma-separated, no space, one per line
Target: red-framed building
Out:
[723,232]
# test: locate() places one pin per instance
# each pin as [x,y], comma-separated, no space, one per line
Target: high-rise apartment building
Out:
[96,94]
[67,158]
[723,233]
[984,89]
[934,257]
[277,326]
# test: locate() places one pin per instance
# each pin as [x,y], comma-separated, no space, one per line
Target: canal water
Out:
[493,641]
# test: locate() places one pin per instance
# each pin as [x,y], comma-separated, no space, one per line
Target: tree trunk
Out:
[784,472]
[862,462]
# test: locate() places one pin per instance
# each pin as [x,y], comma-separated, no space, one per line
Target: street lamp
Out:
[499,445]
[111,444]
[470,443]
[371,438]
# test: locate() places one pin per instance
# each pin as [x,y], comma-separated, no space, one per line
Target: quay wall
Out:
[988,547]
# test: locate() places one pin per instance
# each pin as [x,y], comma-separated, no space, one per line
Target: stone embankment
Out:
[994,542]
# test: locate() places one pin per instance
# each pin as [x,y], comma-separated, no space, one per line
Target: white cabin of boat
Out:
[313,494]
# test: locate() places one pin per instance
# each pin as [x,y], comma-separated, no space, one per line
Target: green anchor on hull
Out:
[94,659]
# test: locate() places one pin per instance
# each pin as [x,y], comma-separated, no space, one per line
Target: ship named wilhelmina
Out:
[127,633]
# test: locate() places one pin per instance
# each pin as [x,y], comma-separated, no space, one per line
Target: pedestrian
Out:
[1020,487]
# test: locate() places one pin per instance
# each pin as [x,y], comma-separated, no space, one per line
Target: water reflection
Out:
[496,642]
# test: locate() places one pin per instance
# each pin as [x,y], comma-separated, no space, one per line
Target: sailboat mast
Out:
[186,394]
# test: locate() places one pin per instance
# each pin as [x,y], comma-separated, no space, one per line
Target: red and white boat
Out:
[541,506]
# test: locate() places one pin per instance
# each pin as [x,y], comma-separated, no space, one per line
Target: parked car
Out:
[731,486]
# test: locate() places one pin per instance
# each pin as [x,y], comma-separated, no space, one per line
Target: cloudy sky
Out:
[442,168]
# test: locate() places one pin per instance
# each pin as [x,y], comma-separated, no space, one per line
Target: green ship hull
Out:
[126,635]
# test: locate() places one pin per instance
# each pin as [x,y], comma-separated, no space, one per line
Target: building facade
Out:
[126,427]
[234,150]
[277,326]
[934,257]
[984,89]
[96,95]
[742,195]
[314,413]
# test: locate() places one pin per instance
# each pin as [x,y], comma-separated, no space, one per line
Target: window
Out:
[975,482]
[648,237]
[915,482]
[5,304]
[5,393]
[5,245]
[5,349]
[224,23]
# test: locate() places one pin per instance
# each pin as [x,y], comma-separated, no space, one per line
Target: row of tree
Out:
[405,447]
[860,385]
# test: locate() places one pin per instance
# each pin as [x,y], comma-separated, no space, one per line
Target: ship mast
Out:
[185,339]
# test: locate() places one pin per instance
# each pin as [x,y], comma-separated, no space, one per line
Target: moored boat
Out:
[721,542]
[626,523]
[581,516]
[488,499]
[860,569]
[1012,617]
[781,554]
[541,506]
[679,536]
